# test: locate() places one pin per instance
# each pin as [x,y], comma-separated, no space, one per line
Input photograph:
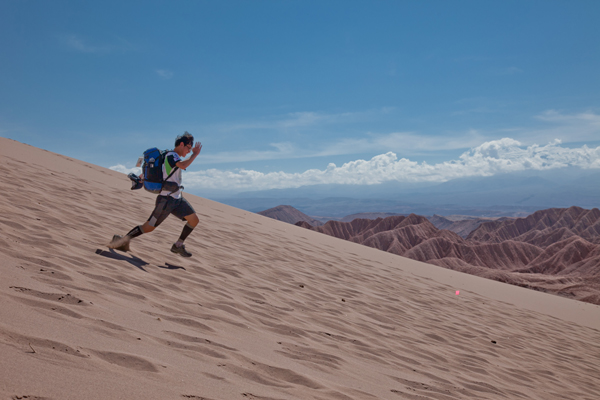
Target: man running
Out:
[170,200]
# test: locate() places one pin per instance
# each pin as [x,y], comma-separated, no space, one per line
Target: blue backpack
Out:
[153,172]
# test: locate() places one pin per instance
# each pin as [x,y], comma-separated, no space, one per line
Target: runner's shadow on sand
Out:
[170,266]
[133,260]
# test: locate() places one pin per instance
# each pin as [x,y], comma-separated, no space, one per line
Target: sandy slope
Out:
[264,310]
[289,214]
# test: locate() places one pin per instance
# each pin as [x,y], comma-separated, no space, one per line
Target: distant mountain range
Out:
[463,225]
[554,250]
[516,195]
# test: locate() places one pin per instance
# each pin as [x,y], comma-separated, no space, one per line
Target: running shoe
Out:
[180,250]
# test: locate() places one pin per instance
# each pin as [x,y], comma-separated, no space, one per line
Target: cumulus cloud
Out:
[487,159]
[490,158]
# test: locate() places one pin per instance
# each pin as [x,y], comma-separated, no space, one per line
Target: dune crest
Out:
[289,214]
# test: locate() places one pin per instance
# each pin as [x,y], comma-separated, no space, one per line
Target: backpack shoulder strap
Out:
[172,172]
[175,168]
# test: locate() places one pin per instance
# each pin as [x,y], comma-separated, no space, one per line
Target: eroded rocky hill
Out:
[554,250]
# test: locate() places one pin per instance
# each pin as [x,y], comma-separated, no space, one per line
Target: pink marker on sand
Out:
[457,292]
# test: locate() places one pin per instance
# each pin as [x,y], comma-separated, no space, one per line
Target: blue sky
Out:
[288,93]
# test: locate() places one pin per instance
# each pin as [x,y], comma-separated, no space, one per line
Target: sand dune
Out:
[289,214]
[264,310]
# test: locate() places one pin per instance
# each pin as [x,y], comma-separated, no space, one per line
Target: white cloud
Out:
[588,118]
[490,158]
[405,141]
[485,158]
[164,74]
[78,43]
[581,127]
[292,121]
[302,120]
[123,169]
[282,150]
[371,143]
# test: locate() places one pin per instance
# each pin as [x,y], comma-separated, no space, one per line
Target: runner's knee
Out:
[193,220]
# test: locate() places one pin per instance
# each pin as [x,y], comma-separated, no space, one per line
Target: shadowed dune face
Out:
[289,214]
[563,242]
[263,310]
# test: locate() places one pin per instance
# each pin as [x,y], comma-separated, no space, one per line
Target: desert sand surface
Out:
[263,310]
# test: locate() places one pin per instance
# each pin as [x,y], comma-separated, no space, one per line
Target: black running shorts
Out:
[166,205]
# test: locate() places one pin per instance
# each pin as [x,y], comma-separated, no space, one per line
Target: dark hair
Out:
[186,139]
